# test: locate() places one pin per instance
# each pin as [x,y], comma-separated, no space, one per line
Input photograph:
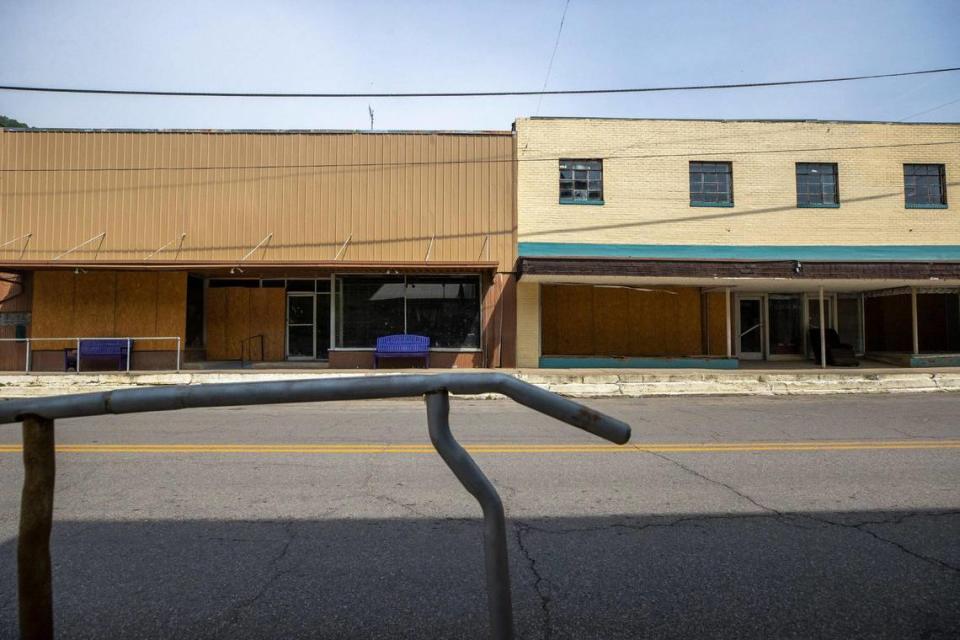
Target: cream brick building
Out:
[700,243]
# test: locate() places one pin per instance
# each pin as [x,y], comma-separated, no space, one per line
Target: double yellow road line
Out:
[374,449]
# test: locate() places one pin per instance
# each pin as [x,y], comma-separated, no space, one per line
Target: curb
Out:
[574,385]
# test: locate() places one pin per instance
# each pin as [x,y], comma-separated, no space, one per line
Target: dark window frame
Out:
[590,177]
[836,186]
[942,176]
[729,202]
[340,343]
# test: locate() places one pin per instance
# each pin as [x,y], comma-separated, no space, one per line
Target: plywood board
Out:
[611,321]
[216,318]
[53,307]
[267,317]
[95,298]
[716,323]
[171,308]
[238,320]
[136,307]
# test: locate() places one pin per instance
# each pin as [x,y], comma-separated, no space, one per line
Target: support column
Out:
[728,327]
[34,585]
[913,310]
[823,335]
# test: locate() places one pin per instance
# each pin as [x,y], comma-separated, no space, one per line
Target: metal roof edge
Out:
[425,132]
[736,120]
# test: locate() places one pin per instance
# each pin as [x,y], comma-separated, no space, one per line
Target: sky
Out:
[407,46]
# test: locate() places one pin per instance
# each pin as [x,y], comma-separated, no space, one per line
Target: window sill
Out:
[818,206]
[711,204]
[926,206]
[588,202]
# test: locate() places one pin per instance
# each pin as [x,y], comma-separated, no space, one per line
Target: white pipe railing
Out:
[77,340]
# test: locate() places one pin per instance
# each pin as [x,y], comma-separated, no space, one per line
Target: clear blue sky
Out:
[286,45]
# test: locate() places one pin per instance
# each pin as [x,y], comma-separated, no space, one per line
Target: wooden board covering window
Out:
[237,313]
[109,304]
[583,320]
[716,329]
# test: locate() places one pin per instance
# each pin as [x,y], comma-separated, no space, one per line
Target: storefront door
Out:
[785,319]
[301,326]
[308,324]
[750,328]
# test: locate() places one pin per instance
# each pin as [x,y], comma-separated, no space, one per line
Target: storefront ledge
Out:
[589,362]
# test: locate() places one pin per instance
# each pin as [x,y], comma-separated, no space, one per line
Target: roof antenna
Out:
[370,109]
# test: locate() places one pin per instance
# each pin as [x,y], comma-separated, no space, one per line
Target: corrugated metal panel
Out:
[389,194]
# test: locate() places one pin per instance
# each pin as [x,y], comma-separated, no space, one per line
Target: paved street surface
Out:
[832,517]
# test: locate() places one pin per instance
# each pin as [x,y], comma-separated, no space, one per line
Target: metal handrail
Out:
[78,339]
[35,596]
[243,344]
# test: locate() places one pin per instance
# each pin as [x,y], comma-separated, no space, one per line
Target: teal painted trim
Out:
[811,205]
[935,361]
[572,201]
[880,253]
[710,204]
[925,206]
[592,362]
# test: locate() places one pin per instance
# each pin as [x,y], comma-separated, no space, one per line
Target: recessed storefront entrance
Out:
[308,320]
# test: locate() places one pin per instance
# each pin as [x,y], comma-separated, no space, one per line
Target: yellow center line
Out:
[419,448]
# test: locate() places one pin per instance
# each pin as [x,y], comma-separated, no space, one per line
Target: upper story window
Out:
[581,181]
[711,184]
[925,186]
[817,185]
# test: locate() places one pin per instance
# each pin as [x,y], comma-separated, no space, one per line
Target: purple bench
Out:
[402,346]
[97,349]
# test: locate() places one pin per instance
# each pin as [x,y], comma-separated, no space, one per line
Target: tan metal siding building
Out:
[267,205]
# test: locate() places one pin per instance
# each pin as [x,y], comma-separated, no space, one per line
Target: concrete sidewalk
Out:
[583,383]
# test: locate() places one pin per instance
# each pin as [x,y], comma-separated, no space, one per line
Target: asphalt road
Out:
[831,517]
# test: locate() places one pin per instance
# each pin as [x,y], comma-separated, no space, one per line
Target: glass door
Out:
[750,328]
[785,335]
[301,321]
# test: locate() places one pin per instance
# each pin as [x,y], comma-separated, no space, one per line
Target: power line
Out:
[556,45]
[920,113]
[721,153]
[467,94]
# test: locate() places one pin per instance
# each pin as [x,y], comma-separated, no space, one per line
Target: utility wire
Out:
[553,55]
[920,113]
[721,153]
[467,94]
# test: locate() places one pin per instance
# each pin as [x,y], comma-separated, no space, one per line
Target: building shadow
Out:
[762,575]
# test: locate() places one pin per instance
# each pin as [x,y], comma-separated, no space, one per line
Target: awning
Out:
[783,275]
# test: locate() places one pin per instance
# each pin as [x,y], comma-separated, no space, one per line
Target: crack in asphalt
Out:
[719,483]
[546,626]
[864,528]
[784,516]
[234,612]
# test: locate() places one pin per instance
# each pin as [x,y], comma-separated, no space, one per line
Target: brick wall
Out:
[646,182]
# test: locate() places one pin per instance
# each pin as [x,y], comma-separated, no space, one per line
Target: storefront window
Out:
[444,308]
[367,308]
[447,309]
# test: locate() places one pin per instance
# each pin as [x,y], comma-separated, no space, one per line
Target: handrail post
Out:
[129,348]
[178,354]
[34,583]
[28,357]
[76,369]
[494,523]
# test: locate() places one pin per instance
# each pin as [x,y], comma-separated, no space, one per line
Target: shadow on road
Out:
[839,574]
